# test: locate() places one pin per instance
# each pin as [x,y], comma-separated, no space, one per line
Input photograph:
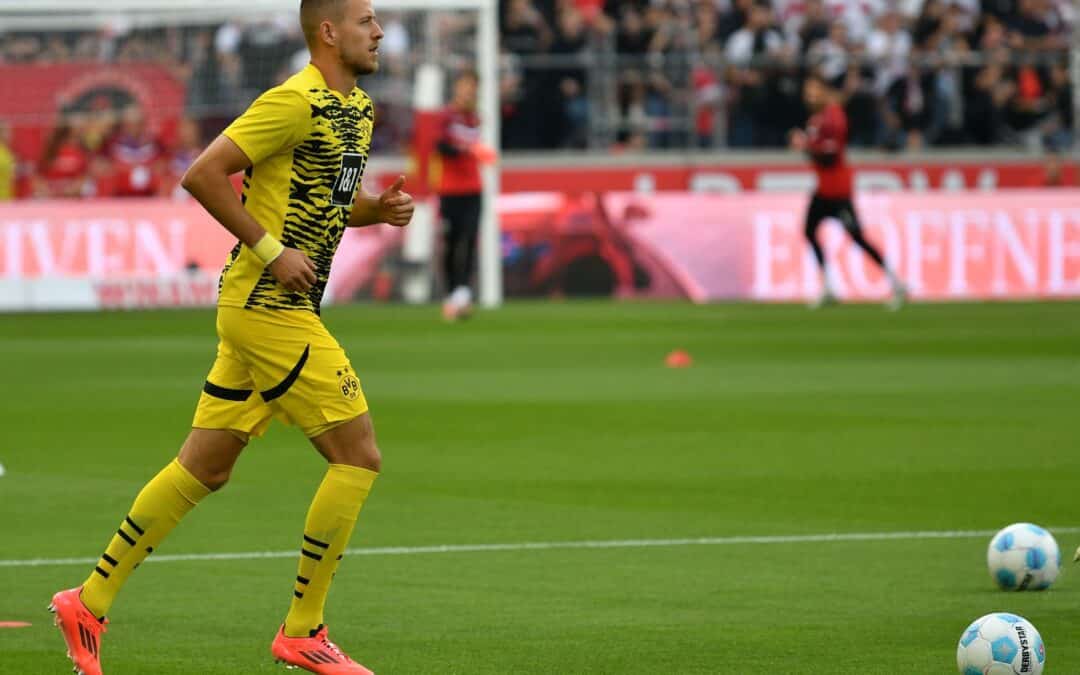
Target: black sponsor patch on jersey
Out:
[348,178]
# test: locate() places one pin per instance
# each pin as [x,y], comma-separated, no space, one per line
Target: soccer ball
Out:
[1023,557]
[1001,644]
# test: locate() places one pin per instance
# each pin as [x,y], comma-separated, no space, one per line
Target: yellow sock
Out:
[159,507]
[330,522]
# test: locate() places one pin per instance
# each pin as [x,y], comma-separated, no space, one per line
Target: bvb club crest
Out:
[349,385]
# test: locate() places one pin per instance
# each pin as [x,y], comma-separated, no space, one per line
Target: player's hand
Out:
[485,154]
[294,270]
[395,205]
[797,139]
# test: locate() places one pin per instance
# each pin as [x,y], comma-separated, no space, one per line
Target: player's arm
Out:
[276,121]
[825,148]
[393,207]
[207,179]
[797,140]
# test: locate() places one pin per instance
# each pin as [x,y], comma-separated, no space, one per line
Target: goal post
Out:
[45,16]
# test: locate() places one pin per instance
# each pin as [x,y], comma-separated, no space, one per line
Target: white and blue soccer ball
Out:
[1023,557]
[1001,644]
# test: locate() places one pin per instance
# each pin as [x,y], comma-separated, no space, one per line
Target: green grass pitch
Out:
[558,423]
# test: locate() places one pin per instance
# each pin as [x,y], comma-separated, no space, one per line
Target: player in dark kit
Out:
[825,141]
[456,179]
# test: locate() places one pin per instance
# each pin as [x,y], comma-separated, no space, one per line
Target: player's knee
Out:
[364,454]
[371,459]
[215,480]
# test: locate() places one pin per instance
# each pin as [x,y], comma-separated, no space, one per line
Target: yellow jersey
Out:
[308,145]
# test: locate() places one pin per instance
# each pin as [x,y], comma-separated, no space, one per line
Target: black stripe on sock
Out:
[316,542]
[135,527]
[309,554]
[225,393]
[303,580]
[101,572]
[123,535]
[109,559]
[298,594]
[341,556]
[281,387]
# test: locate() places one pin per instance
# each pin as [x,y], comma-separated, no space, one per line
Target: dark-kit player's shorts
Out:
[842,209]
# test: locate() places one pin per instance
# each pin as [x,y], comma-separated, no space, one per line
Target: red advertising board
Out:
[960,246]
[917,175]
[143,253]
[703,247]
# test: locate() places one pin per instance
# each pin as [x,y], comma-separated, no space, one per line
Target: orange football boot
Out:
[315,654]
[81,629]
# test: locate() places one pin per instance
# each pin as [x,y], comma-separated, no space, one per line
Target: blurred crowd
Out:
[105,142]
[598,74]
[709,73]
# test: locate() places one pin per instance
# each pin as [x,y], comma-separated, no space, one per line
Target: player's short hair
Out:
[314,12]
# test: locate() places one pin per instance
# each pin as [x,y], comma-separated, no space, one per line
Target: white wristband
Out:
[267,249]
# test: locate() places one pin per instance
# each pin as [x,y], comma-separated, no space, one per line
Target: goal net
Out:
[186,69]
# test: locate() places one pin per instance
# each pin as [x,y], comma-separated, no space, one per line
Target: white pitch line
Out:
[559,545]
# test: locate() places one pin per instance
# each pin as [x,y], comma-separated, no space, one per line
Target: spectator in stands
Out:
[569,119]
[632,39]
[708,95]
[747,50]
[812,25]
[861,105]
[64,167]
[526,33]
[211,94]
[515,125]
[706,23]
[524,30]
[634,120]
[945,50]
[735,18]
[888,50]
[137,156]
[830,56]
[1058,127]
[1033,26]
[985,103]
[188,146]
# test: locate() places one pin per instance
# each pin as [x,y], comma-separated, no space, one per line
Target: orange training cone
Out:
[678,359]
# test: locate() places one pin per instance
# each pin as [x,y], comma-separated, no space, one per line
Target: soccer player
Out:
[456,177]
[825,140]
[303,147]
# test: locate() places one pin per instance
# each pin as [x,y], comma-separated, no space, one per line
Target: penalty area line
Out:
[738,540]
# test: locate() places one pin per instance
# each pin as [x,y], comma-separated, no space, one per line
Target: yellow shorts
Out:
[277,363]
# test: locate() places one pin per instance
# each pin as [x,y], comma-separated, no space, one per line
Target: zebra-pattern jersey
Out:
[308,146]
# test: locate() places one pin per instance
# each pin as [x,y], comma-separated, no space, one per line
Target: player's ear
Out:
[328,33]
